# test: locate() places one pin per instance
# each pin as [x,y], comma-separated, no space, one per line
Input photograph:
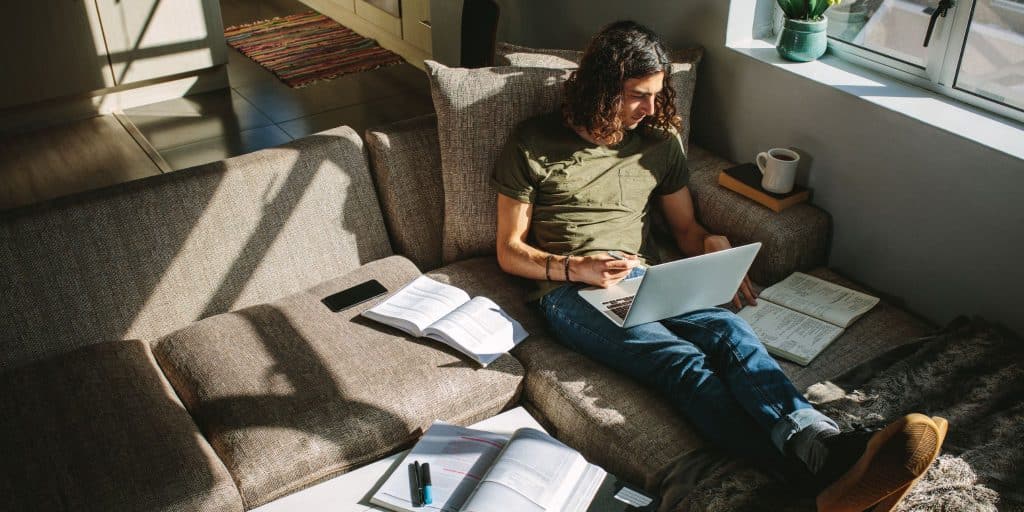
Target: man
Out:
[576,184]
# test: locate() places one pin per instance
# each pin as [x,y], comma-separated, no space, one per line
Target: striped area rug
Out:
[304,48]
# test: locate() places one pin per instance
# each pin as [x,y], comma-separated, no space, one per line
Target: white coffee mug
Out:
[778,167]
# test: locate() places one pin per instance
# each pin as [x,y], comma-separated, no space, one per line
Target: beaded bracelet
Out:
[547,266]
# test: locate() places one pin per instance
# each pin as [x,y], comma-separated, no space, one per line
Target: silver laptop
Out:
[675,287]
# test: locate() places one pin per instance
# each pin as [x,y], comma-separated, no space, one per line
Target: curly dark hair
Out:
[593,93]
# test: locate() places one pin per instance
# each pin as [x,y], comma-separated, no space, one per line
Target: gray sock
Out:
[807,444]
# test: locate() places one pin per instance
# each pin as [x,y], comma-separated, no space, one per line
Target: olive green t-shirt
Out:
[588,198]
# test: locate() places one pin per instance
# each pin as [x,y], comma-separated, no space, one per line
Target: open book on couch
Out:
[800,316]
[479,471]
[476,327]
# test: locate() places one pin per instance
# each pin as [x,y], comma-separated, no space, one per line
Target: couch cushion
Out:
[795,239]
[683,74]
[101,429]
[614,421]
[508,54]
[290,393]
[141,259]
[476,112]
[406,163]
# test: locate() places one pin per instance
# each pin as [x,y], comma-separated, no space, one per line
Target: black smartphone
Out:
[357,294]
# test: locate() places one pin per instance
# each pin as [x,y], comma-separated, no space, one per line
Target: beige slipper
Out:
[889,502]
[893,460]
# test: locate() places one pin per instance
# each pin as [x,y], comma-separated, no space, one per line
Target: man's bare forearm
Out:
[691,241]
[522,259]
[689,234]
[519,258]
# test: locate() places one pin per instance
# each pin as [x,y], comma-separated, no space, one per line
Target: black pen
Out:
[619,255]
[428,490]
[415,487]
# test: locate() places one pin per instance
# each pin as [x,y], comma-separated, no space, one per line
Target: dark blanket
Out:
[971,373]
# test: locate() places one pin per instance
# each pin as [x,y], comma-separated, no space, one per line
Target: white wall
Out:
[920,214]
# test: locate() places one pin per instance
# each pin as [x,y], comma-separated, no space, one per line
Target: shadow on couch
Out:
[156,254]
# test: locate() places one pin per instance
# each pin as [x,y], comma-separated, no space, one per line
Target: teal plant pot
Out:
[803,41]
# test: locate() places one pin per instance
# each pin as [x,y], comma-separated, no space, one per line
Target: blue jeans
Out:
[709,364]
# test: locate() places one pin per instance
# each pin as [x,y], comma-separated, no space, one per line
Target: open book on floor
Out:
[800,316]
[479,471]
[476,327]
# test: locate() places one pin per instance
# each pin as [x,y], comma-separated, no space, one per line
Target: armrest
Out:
[795,239]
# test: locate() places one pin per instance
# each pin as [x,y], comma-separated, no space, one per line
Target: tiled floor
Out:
[257,111]
[260,111]
[65,159]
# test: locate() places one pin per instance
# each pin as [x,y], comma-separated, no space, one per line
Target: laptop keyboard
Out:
[619,306]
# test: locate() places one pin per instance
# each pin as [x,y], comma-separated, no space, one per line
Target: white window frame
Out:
[943,59]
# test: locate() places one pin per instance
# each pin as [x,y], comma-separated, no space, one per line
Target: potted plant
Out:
[803,36]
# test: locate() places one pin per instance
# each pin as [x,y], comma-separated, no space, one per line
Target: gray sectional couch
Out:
[164,347]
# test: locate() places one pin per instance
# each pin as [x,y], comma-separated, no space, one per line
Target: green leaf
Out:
[816,8]
[794,9]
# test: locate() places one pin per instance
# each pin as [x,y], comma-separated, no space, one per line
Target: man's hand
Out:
[713,243]
[602,270]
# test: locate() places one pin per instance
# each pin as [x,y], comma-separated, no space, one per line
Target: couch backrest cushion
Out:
[290,393]
[406,164]
[143,258]
[476,112]
[508,54]
[100,429]
[683,78]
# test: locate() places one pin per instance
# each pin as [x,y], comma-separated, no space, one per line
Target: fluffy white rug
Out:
[971,373]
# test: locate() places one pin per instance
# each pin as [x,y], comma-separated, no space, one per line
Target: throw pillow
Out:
[507,54]
[683,77]
[476,112]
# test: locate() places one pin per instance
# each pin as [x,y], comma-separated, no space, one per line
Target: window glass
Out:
[894,28]
[993,57]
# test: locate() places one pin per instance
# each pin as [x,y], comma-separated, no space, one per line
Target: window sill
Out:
[925,106]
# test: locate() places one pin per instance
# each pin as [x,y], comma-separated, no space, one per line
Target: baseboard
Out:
[175,86]
[107,101]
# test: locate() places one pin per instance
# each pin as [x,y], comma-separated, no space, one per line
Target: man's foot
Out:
[880,467]
[890,502]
